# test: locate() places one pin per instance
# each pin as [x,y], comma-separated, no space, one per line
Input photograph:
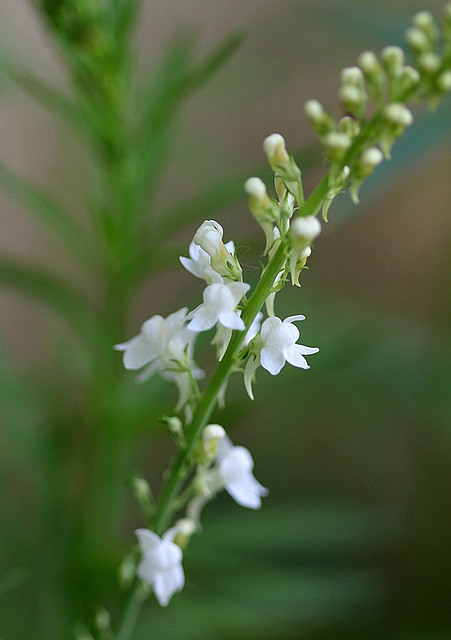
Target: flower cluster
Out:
[222,466]
[357,143]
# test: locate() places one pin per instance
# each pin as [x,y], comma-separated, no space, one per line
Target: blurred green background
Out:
[109,162]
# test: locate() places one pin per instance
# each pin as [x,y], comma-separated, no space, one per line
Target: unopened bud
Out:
[320,120]
[417,39]
[353,99]
[408,79]
[372,157]
[444,81]
[430,62]
[337,144]
[304,230]
[349,126]
[274,146]
[398,114]
[103,620]
[424,20]
[369,63]
[255,188]
[352,76]
[393,59]
[185,529]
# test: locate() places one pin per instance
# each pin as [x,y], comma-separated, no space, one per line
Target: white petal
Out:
[238,289]
[166,583]
[147,539]
[307,351]
[191,266]
[251,366]
[272,360]
[139,352]
[203,319]
[247,492]
[295,357]
[231,320]
[270,325]
[294,318]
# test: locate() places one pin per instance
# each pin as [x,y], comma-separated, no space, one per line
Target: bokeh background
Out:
[354,539]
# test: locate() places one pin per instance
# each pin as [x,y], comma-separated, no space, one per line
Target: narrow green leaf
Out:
[42,92]
[50,290]
[53,214]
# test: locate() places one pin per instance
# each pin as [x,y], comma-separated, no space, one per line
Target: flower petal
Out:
[203,318]
[147,539]
[231,320]
[272,360]
[137,352]
[247,491]
[166,583]
[294,356]
[238,289]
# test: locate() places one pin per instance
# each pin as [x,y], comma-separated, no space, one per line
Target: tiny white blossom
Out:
[220,302]
[209,238]
[234,466]
[161,563]
[164,345]
[157,337]
[279,345]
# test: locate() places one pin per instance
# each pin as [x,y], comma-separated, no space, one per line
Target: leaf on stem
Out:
[43,207]
[50,290]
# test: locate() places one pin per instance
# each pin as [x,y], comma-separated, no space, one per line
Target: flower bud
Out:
[393,59]
[274,146]
[337,144]
[185,528]
[209,238]
[349,126]
[430,62]
[303,231]
[320,120]
[287,173]
[352,76]
[424,20]
[444,81]
[263,208]
[417,39]
[364,167]
[398,114]
[408,79]
[369,63]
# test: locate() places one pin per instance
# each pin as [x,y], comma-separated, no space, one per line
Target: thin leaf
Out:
[50,290]
[42,92]
[53,214]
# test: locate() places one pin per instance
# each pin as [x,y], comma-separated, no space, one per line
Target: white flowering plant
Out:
[241,319]
[374,97]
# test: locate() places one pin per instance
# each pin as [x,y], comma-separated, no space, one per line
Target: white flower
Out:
[220,302]
[279,345]
[164,345]
[199,262]
[160,338]
[161,563]
[209,238]
[234,466]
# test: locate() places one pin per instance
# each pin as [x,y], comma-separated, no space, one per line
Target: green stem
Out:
[132,613]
